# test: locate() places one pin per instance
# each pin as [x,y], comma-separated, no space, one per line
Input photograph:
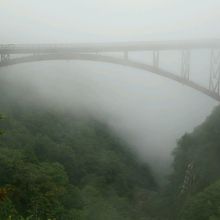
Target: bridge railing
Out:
[117,46]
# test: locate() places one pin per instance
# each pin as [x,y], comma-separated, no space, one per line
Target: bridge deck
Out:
[108,47]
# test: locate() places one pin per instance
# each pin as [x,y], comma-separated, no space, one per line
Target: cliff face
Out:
[194,184]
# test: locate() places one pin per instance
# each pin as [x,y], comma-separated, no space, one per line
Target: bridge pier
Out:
[185,64]
[4,57]
[156,56]
[214,81]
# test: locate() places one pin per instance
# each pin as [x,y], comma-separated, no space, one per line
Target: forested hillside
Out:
[57,165]
[54,165]
[194,188]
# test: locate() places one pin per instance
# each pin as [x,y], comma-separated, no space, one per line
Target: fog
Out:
[148,111]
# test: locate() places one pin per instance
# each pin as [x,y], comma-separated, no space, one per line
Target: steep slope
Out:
[56,165]
[194,185]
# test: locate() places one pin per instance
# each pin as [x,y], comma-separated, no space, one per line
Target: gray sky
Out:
[107,20]
[150,112]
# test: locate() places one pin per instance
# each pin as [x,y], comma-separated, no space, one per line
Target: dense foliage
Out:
[57,166]
[54,165]
[193,192]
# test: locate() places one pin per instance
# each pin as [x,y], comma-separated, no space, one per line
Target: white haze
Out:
[150,112]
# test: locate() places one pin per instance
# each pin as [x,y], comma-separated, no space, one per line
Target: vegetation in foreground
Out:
[193,191]
[56,166]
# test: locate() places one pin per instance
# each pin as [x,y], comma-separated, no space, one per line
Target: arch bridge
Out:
[11,54]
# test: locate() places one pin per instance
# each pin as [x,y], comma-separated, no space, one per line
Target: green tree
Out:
[204,205]
[66,167]
[1,117]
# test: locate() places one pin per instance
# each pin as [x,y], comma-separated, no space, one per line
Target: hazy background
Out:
[149,112]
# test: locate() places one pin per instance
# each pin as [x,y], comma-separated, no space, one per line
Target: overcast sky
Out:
[149,111]
[107,20]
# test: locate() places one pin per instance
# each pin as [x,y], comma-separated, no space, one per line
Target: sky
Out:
[107,20]
[150,112]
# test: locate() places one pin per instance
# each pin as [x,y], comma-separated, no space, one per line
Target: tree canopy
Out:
[54,165]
